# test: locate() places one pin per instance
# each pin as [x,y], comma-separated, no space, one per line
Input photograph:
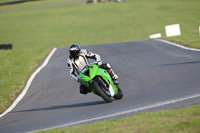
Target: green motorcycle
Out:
[98,81]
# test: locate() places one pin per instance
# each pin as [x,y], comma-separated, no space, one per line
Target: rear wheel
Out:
[102,92]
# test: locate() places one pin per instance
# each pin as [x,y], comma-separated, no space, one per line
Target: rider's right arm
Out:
[71,70]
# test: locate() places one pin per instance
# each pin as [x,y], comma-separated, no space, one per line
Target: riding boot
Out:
[107,67]
[113,75]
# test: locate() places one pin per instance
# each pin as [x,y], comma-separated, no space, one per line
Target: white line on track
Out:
[123,112]
[178,45]
[19,98]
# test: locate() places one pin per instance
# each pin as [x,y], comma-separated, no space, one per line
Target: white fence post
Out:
[173,30]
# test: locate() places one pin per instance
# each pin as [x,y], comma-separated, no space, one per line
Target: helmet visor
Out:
[74,53]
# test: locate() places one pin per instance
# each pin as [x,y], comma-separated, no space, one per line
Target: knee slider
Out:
[108,65]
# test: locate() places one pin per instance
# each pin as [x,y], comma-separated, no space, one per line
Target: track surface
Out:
[150,72]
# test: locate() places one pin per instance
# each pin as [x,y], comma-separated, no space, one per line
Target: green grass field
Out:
[34,28]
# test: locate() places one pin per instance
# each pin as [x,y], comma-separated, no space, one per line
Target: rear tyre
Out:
[101,92]
[119,94]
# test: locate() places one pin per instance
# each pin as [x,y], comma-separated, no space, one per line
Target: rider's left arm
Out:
[94,56]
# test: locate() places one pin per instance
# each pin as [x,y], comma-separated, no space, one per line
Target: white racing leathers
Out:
[76,65]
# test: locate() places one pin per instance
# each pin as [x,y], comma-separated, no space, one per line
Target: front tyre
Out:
[101,92]
[119,94]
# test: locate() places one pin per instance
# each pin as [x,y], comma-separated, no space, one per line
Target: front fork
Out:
[108,88]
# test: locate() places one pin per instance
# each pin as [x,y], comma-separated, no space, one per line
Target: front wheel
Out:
[119,94]
[101,92]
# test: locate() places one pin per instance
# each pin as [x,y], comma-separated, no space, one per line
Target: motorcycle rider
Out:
[78,59]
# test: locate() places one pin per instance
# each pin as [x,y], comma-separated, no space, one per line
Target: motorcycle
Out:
[98,81]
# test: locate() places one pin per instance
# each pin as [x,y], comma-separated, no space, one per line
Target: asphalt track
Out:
[152,74]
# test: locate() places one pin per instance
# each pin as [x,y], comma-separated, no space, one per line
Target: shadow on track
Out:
[63,106]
